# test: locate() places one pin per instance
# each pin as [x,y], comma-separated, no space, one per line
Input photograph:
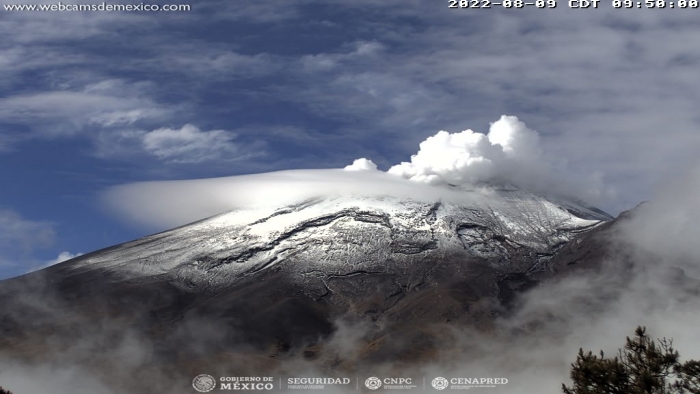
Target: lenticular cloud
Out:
[510,152]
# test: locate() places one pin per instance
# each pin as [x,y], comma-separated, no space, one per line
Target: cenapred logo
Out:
[440,383]
[373,383]
[204,383]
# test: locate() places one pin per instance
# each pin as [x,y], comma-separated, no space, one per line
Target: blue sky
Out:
[96,99]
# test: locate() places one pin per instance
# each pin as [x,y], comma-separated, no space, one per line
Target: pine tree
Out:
[643,366]
[689,381]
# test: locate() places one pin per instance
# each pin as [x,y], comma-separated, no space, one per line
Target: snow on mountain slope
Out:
[514,230]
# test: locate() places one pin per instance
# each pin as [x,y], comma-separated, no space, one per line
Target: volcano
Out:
[251,288]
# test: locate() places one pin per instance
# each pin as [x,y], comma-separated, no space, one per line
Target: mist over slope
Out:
[603,285]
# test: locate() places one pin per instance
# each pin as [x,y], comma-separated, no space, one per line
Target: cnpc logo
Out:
[374,383]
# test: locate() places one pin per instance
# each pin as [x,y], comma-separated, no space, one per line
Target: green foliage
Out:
[3,391]
[643,366]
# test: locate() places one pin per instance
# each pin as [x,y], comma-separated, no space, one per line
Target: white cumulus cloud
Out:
[361,165]
[510,153]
